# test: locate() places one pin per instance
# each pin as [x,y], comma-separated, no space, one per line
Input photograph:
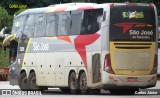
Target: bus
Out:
[158,71]
[82,47]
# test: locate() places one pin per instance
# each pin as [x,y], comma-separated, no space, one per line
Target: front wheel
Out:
[22,82]
[73,84]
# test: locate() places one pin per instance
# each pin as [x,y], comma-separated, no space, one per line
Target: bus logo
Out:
[134,14]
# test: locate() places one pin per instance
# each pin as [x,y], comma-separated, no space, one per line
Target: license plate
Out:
[132,79]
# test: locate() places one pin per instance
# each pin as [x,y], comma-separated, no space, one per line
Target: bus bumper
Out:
[111,81]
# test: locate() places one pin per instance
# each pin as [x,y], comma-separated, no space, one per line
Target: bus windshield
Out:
[132,23]
[18,24]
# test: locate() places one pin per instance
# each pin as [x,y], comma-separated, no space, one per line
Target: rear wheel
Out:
[83,83]
[73,85]
[32,82]
[22,81]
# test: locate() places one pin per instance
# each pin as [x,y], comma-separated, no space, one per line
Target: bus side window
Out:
[29,26]
[52,24]
[40,24]
[92,21]
[97,19]
[76,21]
[85,19]
[64,24]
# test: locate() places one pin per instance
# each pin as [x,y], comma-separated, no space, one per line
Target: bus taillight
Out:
[107,64]
[154,70]
[112,4]
[151,5]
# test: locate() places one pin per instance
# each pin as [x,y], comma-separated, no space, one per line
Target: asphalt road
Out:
[56,93]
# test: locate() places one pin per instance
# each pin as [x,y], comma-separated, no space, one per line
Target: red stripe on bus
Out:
[112,4]
[85,8]
[65,38]
[127,26]
[62,9]
[81,41]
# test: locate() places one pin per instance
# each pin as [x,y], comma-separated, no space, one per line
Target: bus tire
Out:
[83,83]
[32,82]
[73,84]
[23,82]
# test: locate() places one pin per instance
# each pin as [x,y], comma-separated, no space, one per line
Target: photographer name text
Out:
[14,6]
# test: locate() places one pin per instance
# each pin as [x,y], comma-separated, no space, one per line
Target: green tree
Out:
[4,18]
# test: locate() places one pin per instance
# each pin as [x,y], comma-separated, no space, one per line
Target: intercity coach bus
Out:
[85,46]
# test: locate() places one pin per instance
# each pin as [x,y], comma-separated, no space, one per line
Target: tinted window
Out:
[64,23]
[40,25]
[76,22]
[18,24]
[91,21]
[132,23]
[29,26]
[52,24]
[13,51]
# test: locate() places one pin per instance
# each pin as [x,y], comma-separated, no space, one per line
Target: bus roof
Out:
[136,4]
[61,8]
[72,6]
[33,11]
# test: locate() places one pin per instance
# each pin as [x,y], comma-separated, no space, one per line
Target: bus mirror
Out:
[4,48]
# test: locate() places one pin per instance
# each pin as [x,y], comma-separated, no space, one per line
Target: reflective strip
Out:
[26,52]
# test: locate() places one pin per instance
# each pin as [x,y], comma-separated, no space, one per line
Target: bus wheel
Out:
[22,81]
[73,85]
[32,81]
[83,83]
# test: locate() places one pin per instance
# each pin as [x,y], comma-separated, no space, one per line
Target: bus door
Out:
[96,68]
[14,68]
